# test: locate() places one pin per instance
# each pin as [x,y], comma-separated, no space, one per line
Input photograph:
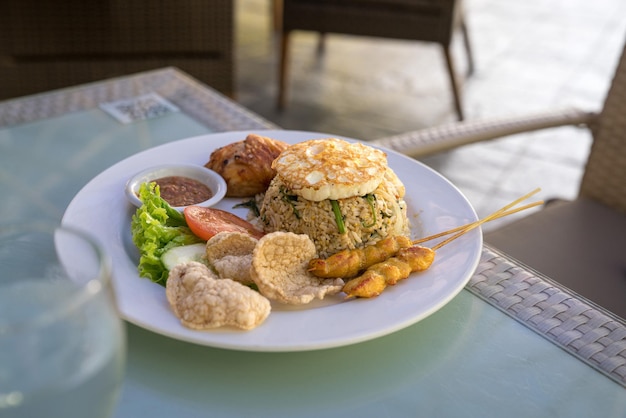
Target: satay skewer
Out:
[350,263]
[408,260]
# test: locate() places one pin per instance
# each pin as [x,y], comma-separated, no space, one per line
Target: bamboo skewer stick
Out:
[461,230]
[486,219]
[462,227]
[378,276]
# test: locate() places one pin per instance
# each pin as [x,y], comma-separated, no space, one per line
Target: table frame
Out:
[580,327]
[194,98]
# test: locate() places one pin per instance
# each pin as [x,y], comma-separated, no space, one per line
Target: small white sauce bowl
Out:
[210,178]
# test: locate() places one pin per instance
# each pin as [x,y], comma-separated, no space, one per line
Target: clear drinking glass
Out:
[62,342]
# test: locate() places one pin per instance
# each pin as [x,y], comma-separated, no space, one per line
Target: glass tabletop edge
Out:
[196,99]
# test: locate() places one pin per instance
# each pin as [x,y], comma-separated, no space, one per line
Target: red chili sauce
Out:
[183,191]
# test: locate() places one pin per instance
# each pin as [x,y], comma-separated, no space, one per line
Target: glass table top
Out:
[468,359]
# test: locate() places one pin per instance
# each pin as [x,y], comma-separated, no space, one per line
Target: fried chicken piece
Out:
[202,301]
[247,165]
[279,269]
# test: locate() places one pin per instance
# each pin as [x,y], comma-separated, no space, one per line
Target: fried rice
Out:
[365,219]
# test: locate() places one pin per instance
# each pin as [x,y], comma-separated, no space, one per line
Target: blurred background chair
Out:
[581,243]
[49,45]
[417,20]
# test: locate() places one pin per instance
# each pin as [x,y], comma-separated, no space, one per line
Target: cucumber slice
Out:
[183,254]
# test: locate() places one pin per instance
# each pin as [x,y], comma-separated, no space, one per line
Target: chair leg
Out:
[282,71]
[453,82]
[277,14]
[321,43]
[468,48]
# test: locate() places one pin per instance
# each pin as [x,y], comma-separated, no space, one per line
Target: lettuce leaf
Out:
[156,227]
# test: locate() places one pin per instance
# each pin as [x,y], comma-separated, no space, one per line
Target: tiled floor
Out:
[529,55]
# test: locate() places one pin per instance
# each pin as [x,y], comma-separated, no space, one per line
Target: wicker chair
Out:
[419,20]
[580,243]
[49,45]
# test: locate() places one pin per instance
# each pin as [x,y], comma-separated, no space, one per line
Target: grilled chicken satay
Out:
[401,262]
[347,264]
[378,276]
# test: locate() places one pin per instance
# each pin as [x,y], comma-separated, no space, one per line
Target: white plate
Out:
[434,205]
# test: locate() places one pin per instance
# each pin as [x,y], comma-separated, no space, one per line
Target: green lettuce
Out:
[156,227]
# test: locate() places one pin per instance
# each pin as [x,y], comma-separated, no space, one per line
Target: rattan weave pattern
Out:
[588,332]
[194,98]
[605,175]
[448,136]
[605,172]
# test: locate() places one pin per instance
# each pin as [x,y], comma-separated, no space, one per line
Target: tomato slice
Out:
[207,222]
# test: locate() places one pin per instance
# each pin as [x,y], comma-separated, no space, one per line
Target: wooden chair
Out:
[579,243]
[50,45]
[419,20]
